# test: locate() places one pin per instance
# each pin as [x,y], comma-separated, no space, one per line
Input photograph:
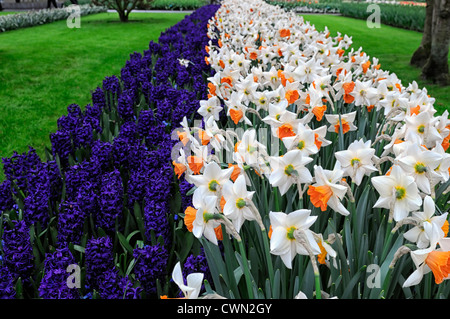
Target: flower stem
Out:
[317,282]
[267,253]
[246,270]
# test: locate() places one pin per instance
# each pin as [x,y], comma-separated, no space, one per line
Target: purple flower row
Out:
[108,172]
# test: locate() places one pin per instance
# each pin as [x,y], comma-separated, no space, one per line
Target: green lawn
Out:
[392,46]
[3,13]
[45,68]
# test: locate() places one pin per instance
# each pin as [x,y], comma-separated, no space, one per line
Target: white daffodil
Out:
[434,259]
[398,193]
[249,149]
[289,169]
[237,206]
[236,110]
[282,241]
[210,107]
[443,169]
[194,282]
[326,191]
[248,87]
[308,71]
[204,222]
[417,161]
[345,119]
[364,93]
[213,179]
[304,141]
[423,126]
[357,161]
[276,110]
[427,223]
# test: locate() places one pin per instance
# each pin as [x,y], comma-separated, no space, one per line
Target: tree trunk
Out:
[436,67]
[422,53]
[123,16]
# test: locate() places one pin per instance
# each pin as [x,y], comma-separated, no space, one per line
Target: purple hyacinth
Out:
[150,266]
[37,205]
[7,290]
[54,284]
[113,286]
[156,222]
[125,105]
[145,122]
[98,99]
[185,187]
[61,142]
[17,250]
[110,201]
[17,168]
[111,88]
[6,196]
[71,220]
[99,259]
[197,264]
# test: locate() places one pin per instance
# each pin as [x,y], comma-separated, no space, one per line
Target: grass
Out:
[45,68]
[3,13]
[392,46]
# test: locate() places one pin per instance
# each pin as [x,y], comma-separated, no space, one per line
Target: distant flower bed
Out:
[103,201]
[402,14]
[32,18]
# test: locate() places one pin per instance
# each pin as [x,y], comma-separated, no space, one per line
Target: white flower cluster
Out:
[274,70]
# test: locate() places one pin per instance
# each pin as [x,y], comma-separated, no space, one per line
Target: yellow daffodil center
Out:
[421,129]
[301,145]
[400,192]
[420,168]
[212,186]
[355,161]
[251,149]
[240,203]
[290,233]
[262,100]
[289,169]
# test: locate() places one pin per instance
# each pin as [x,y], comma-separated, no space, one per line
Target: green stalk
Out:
[317,282]
[267,253]
[387,240]
[246,270]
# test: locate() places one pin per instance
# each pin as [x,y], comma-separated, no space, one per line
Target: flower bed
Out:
[315,173]
[103,200]
[244,155]
[32,18]
[403,14]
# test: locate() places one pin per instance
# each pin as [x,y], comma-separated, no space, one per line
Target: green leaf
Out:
[175,203]
[350,286]
[139,219]
[124,243]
